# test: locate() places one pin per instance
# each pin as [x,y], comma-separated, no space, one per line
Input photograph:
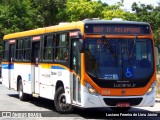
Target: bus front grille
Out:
[115,101]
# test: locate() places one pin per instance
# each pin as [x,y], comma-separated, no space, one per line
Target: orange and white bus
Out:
[89,64]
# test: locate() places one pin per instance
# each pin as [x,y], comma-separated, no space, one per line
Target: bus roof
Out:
[88,21]
[39,31]
[67,26]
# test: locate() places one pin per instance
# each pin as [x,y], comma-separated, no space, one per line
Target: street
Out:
[9,102]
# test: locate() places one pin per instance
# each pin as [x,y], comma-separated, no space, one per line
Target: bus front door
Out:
[12,83]
[35,67]
[76,58]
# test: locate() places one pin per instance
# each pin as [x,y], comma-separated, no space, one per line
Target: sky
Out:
[128,3]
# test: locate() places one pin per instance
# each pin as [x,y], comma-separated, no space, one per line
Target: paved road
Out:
[41,107]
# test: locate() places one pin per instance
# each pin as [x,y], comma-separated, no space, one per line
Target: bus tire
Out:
[60,102]
[120,109]
[21,94]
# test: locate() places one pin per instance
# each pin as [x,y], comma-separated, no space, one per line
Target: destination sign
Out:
[127,29]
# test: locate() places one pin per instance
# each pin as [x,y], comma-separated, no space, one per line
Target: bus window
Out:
[48,51]
[19,50]
[5,51]
[27,49]
[104,63]
[62,47]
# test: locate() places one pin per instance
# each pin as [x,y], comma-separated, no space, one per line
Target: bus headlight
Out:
[151,89]
[91,89]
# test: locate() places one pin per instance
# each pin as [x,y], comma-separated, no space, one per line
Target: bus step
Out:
[35,95]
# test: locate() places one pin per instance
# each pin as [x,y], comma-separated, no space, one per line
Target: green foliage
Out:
[157,37]
[115,11]
[147,13]
[82,9]
[16,15]
[20,15]
[48,11]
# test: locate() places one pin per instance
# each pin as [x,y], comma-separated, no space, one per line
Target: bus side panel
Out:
[24,71]
[68,80]
[12,80]
[5,75]
[46,84]
[61,73]
[49,76]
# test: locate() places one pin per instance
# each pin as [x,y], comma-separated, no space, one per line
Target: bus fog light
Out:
[151,89]
[90,89]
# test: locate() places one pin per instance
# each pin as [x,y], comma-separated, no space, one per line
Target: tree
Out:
[143,12]
[16,16]
[82,9]
[115,11]
[49,11]
[147,13]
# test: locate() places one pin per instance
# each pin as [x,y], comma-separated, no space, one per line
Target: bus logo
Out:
[123,92]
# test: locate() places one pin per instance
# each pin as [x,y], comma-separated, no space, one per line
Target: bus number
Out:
[97,29]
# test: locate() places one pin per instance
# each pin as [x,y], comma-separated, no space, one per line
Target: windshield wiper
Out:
[134,43]
[114,55]
[107,43]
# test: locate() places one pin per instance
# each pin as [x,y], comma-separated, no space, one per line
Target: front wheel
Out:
[60,102]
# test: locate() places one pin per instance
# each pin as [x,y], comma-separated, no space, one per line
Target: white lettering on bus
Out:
[125,85]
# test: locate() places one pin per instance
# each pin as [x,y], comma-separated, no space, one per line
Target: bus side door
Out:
[12,83]
[76,66]
[35,66]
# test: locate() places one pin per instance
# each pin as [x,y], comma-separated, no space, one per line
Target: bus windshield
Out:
[119,59]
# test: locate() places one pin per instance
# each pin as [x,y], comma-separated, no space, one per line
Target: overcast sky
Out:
[128,3]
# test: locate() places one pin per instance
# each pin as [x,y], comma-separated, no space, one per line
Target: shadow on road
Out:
[39,102]
[96,113]
[13,95]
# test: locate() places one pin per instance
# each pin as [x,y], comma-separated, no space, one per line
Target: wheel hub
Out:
[62,102]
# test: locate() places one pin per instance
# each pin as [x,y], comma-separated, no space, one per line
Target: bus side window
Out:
[62,47]
[48,51]
[5,51]
[27,49]
[19,50]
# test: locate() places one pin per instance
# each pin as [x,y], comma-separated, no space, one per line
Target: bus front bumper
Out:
[97,101]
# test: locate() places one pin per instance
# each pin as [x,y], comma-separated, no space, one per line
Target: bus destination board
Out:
[117,29]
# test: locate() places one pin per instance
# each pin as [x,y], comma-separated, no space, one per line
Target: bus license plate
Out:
[123,105]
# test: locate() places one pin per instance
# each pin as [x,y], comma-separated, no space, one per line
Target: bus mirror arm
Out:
[81,46]
[80,35]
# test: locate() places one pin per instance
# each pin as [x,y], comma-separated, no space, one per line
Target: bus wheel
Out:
[21,94]
[60,102]
[120,109]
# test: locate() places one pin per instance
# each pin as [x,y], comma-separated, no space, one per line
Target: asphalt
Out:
[158,100]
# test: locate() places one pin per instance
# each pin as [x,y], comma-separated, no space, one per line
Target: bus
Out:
[92,63]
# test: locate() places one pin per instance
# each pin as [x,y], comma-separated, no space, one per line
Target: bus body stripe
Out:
[7,66]
[57,67]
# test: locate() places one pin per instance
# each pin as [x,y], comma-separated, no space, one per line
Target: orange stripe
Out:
[5,63]
[117,91]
